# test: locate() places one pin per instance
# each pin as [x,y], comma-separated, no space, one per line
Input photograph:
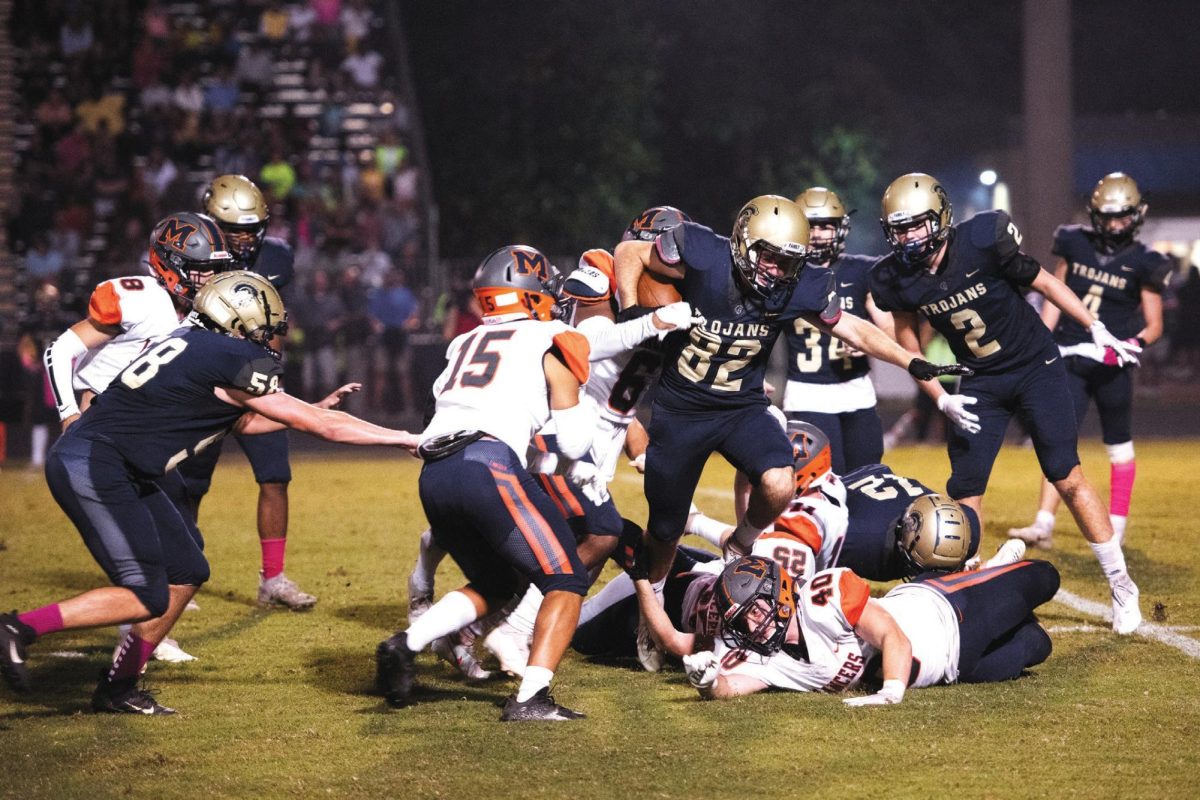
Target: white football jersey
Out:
[831,658]
[808,536]
[929,622]
[144,312]
[495,381]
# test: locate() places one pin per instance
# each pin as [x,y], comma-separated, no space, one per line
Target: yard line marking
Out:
[1150,630]
[67,654]
[1086,628]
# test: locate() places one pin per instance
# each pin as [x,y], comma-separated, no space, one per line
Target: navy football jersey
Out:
[817,357]
[1109,284]
[975,299]
[722,363]
[875,499]
[276,262]
[161,408]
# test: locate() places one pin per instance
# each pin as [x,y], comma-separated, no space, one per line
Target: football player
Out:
[710,397]
[967,280]
[1121,281]
[483,506]
[829,635]
[829,384]
[183,394]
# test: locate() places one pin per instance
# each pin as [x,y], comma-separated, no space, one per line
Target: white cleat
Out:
[283,591]
[1126,614]
[457,650]
[192,606]
[1041,538]
[511,647]
[648,653]
[1010,552]
[169,650]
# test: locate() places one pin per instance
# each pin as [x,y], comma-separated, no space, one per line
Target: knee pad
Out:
[1038,644]
[575,583]
[154,596]
[1119,453]
[1060,466]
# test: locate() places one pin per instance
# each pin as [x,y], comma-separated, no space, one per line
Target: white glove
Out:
[891,694]
[677,316]
[541,462]
[954,407]
[1083,350]
[1125,352]
[588,478]
[639,463]
[701,669]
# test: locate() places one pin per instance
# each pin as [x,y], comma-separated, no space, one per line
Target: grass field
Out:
[280,704]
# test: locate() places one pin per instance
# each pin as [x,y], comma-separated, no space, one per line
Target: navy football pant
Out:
[135,533]
[1111,388]
[998,635]
[266,452]
[855,437]
[749,438]
[584,516]
[1039,394]
[497,524]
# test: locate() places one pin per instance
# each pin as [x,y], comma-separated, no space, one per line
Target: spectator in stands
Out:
[54,114]
[301,18]
[42,262]
[273,22]
[40,327]
[102,109]
[319,311]
[393,310]
[72,154]
[463,315]
[160,172]
[372,260]
[155,22]
[278,175]
[75,37]
[156,95]
[390,153]
[254,69]
[356,19]
[355,330]
[221,95]
[400,232]
[363,67]
[188,96]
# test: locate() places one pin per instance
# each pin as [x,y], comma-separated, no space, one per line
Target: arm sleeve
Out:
[832,311]
[60,368]
[607,339]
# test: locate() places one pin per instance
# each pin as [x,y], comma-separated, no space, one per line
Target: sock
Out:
[429,555]
[272,556]
[707,528]
[1118,524]
[524,616]
[47,619]
[536,679]
[131,658]
[746,533]
[447,615]
[1121,487]
[612,593]
[39,438]
[1044,520]
[1111,559]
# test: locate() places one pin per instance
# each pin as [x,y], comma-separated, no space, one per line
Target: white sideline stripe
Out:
[1085,628]
[67,654]
[1150,630]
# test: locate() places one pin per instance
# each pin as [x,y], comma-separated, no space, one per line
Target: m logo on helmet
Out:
[530,264]
[175,233]
[755,568]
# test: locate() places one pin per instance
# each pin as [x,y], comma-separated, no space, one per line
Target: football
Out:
[655,291]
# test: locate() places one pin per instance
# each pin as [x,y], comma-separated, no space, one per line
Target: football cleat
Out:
[192,605]
[419,600]
[1010,552]
[1126,614]
[1039,537]
[126,697]
[282,591]
[539,708]
[648,653]
[457,650]
[395,670]
[169,650]
[510,647]
[14,636]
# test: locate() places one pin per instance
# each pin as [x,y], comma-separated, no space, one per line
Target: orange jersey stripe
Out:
[855,594]
[105,305]
[575,352]
[568,497]
[534,529]
[961,580]
[548,485]
[800,528]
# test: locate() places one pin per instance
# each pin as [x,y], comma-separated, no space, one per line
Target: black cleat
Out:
[539,708]
[126,697]
[395,670]
[14,636]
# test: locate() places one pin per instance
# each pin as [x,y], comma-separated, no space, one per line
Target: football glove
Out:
[639,463]
[677,317]
[630,555]
[954,407]
[590,481]
[924,370]
[701,670]
[1122,352]
[891,694]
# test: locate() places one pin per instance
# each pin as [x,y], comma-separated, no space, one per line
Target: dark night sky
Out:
[727,99]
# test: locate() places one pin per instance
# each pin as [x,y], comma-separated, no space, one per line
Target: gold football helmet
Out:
[241,210]
[241,303]
[824,208]
[1117,210]
[770,245]
[936,533]
[911,201]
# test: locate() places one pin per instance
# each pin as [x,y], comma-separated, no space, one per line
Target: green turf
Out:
[279,704]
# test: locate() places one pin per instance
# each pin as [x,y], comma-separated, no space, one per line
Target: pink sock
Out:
[272,556]
[1121,487]
[46,619]
[131,658]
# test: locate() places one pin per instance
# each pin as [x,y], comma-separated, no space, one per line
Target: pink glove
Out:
[1111,359]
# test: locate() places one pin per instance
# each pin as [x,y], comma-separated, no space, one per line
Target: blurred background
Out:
[400,142]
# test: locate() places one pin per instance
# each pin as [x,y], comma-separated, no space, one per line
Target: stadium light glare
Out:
[988,177]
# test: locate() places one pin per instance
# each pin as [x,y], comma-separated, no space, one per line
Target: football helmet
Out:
[1115,198]
[912,201]
[936,534]
[770,245]
[811,453]
[823,208]
[241,303]
[756,601]
[519,282]
[185,249]
[240,209]
[653,221]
